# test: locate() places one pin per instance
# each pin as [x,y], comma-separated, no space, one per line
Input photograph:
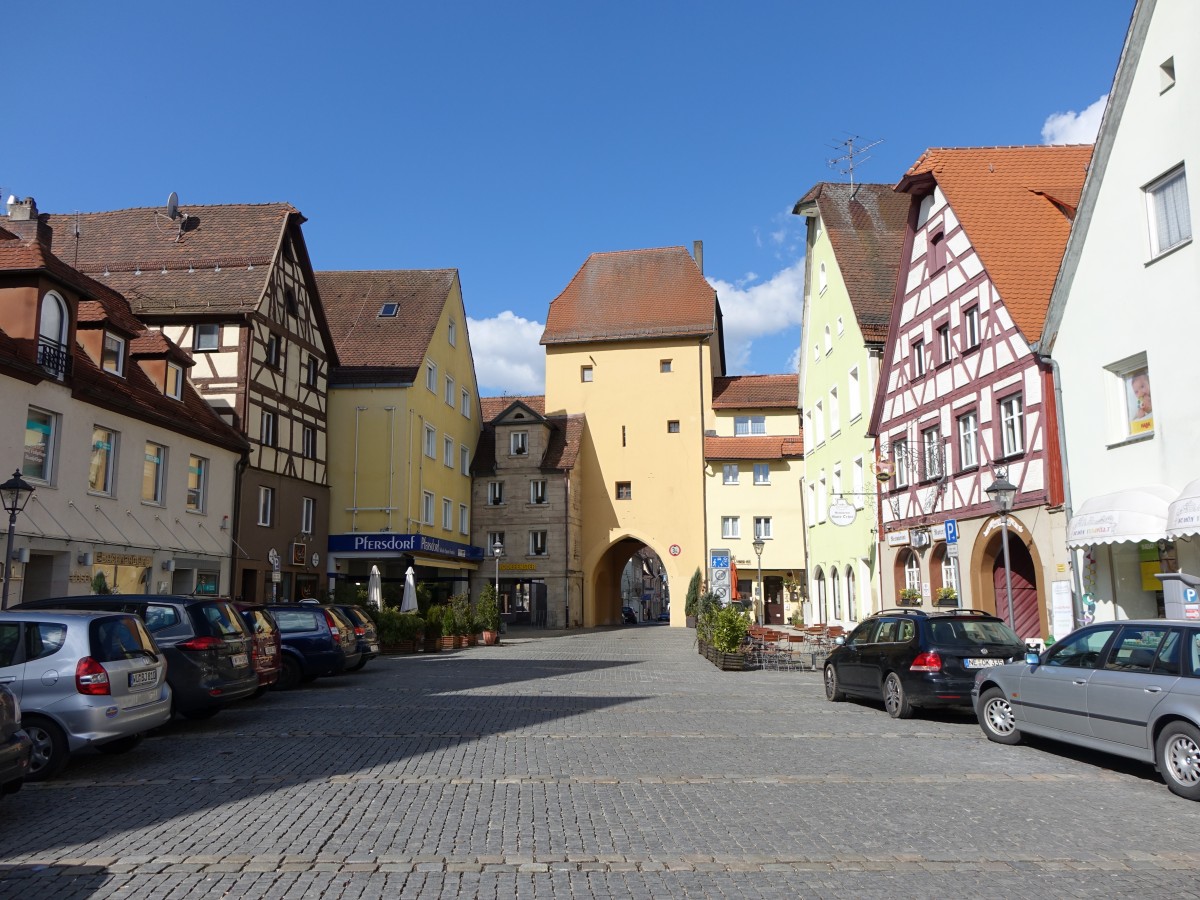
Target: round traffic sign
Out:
[676,549]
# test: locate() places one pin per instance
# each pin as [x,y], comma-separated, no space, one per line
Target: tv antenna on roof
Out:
[846,163]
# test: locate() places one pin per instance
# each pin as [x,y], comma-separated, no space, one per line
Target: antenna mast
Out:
[852,157]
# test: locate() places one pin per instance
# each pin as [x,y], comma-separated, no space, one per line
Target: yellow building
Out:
[404,419]
[633,344]
[755,468]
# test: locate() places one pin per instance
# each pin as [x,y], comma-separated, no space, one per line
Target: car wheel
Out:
[833,692]
[358,665]
[199,715]
[50,749]
[996,717]
[120,745]
[289,675]
[1178,754]
[895,700]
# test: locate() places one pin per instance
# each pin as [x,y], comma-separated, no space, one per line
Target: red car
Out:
[266,655]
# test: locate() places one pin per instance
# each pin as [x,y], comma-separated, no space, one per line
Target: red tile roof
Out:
[756,392]
[562,445]
[1008,202]
[218,261]
[633,294]
[759,446]
[866,224]
[362,337]
[493,406]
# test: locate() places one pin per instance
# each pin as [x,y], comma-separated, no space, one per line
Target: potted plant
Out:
[460,617]
[947,596]
[910,597]
[433,628]
[488,615]
[730,625]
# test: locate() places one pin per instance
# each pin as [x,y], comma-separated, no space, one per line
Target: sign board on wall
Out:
[1062,610]
[898,538]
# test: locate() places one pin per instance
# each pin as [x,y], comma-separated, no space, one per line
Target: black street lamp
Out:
[762,599]
[14,493]
[1001,493]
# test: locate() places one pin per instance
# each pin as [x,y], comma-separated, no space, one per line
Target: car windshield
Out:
[971,632]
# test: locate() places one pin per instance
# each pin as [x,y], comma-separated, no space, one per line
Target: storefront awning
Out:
[435,563]
[1183,516]
[1136,514]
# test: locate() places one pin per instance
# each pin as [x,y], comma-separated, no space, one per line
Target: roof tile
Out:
[756,392]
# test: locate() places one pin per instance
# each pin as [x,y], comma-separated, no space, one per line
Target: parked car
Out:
[15,747]
[207,646]
[664,616]
[628,615]
[911,658]
[365,633]
[1131,688]
[316,640]
[118,690]
[265,653]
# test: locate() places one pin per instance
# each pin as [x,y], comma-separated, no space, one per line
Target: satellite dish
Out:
[173,206]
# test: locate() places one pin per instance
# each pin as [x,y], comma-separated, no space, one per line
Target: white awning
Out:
[1136,514]
[1183,517]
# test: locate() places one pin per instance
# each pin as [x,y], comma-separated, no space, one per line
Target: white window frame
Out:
[968,440]
[449,391]
[537,491]
[664,366]
[197,484]
[206,338]
[518,443]
[49,446]
[447,514]
[431,442]
[730,473]
[731,528]
[1121,415]
[912,572]
[308,441]
[1012,425]
[494,538]
[464,519]
[266,505]
[931,452]
[452,332]
[971,327]
[158,484]
[1168,210]
[749,425]
[495,493]
[466,404]
[431,376]
[537,544]
[427,507]
[762,473]
[763,530]
[918,358]
[268,430]
[945,343]
[464,459]
[108,487]
[308,514]
[901,461]
[174,385]
[112,356]
[586,374]
[448,452]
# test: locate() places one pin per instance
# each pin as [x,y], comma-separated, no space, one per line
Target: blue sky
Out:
[510,140]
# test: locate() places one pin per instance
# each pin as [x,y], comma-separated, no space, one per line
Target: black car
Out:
[628,615]
[207,646]
[911,658]
[15,746]
[364,633]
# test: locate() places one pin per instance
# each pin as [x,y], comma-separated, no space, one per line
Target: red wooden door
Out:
[1024,590]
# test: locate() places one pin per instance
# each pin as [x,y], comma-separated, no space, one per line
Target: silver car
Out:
[83,679]
[1131,688]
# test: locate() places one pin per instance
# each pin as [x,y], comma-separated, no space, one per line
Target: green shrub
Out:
[487,613]
[387,625]
[691,604]
[459,615]
[434,622]
[729,627]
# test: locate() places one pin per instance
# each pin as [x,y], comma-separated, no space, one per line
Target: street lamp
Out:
[762,600]
[497,549]
[1001,494]
[15,493]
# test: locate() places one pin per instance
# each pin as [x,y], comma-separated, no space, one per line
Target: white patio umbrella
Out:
[410,592]
[375,589]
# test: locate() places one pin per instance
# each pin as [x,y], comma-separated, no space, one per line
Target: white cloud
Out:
[508,357]
[1074,128]
[759,310]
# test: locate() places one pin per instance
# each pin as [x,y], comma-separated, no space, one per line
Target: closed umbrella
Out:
[375,589]
[410,592]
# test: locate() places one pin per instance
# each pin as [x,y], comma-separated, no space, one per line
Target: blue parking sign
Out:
[951,531]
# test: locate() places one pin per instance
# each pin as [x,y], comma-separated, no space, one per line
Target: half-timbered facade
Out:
[963,400]
[234,286]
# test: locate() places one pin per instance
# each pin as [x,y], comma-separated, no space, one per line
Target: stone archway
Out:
[1030,587]
[603,599]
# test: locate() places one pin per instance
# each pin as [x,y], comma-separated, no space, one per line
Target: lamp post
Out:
[1001,494]
[15,493]
[497,549]
[762,600]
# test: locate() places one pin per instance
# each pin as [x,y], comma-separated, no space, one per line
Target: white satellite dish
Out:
[173,206]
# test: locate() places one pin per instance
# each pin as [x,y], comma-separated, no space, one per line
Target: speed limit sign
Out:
[676,549]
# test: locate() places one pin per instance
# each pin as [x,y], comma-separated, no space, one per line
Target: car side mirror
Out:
[1032,658]
[839,640]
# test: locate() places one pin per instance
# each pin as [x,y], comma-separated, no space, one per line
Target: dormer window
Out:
[174,381]
[112,359]
[519,443]
[52,335]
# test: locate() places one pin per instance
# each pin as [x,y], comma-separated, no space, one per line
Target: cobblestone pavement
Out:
[616,763]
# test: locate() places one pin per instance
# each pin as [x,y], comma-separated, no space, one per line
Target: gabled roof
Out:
[866,225]
[758,446]
[562,445]
[493,406]
[217,259]
[1010,201]
[362,337]
[632,295]
[756,392]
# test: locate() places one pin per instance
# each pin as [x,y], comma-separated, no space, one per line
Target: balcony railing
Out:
[53,357]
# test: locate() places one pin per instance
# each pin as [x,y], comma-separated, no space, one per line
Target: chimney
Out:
[25,222]
[698,253]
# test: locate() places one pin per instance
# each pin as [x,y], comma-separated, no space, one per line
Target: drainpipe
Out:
[703,463]
[235,527]
[1076,578]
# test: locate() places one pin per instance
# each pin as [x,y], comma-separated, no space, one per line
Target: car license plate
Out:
[145,678]
[374,648]
[982,663]
[269,650]
[241,660]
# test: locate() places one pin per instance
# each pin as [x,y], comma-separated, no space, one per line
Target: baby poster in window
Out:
[1141,412]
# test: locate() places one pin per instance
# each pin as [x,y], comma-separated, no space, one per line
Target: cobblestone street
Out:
[610,764]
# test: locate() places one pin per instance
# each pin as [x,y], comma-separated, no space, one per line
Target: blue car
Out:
[316,641]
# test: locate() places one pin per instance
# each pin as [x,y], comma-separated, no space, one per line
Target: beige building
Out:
[753,482]
[405,411]
[133,473]
[527,502]
[633,344]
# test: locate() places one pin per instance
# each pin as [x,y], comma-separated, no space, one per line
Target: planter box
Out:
[730,662]
[472,640]
[401,647]
[447,641]
[490,638]
[433,645]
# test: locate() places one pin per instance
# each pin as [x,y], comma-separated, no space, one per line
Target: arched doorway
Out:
[1024,589]
[629,574]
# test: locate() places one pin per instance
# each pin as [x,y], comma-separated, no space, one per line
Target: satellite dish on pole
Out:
[173,206]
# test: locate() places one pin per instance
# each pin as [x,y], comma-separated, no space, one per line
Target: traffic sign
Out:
[273,558]
[675,549]
[951,531]
[952,551]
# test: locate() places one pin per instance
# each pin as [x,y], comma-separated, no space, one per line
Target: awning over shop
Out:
[1183,516]
[1136,514]
[435,563]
